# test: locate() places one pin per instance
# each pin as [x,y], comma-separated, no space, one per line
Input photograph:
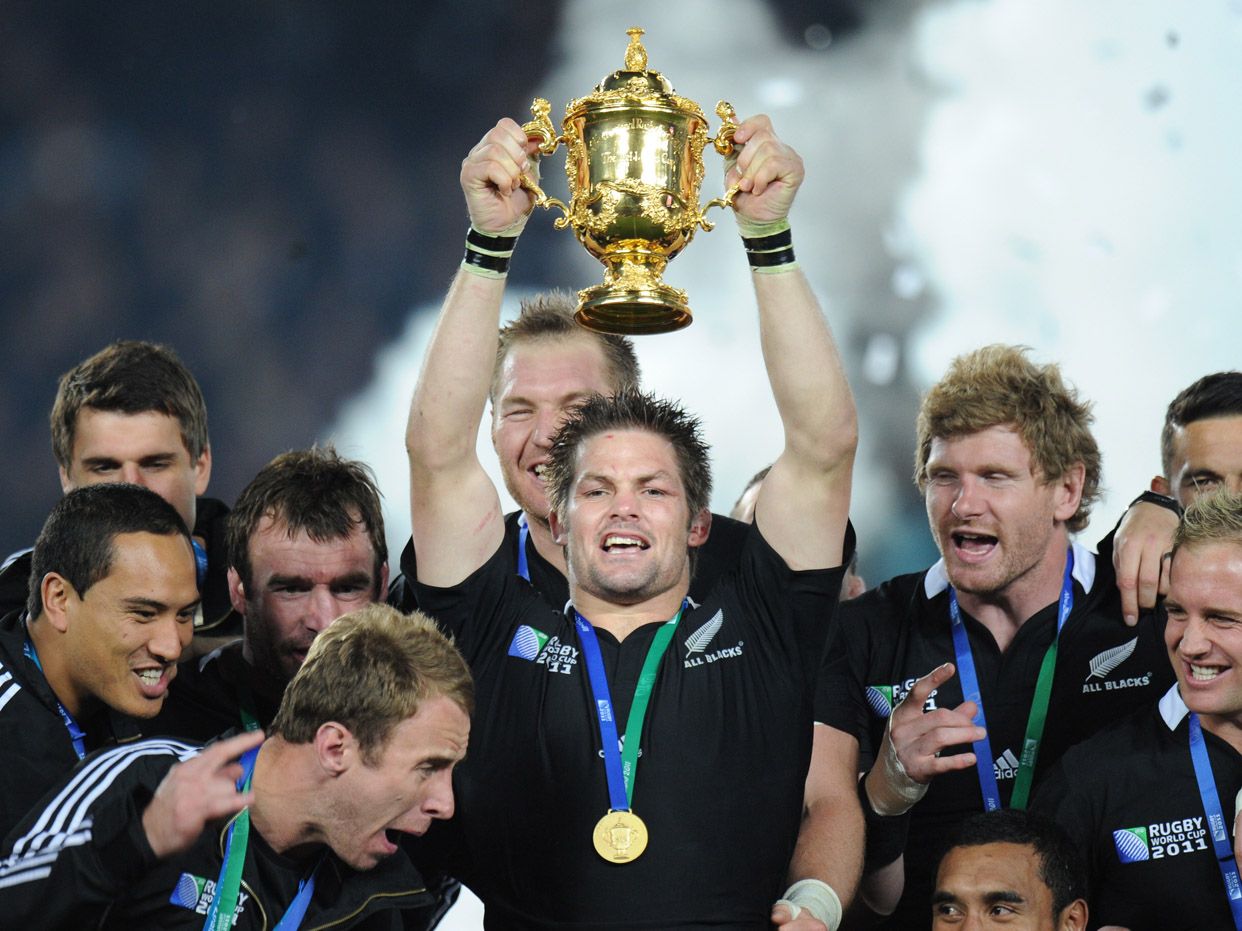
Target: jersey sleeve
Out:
[795,609]
[485,606]
[83,845]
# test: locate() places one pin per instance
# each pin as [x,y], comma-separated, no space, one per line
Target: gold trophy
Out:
[635,164]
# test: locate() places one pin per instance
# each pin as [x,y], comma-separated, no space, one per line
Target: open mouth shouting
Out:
[617,543]
[973,547]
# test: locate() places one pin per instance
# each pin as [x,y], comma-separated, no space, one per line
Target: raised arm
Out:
[804,502]
[455,513]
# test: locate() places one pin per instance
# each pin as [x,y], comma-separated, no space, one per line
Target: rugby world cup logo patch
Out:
[187,891]
[1132,844]
[527,642]
[880,698]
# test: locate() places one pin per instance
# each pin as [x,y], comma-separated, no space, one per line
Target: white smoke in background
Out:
[825,104]
[1060,174]
[1079,193]
[1057,174]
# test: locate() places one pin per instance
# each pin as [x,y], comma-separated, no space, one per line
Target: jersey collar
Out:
[936,581]
[1172,709]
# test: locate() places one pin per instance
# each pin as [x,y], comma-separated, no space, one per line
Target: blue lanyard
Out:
[1217,824]
[523,536]
[620,769]
[76,734]
[200,562]
[292,918]
[970,689]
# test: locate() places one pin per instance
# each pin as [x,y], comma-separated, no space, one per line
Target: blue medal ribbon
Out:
[228,884]
[523,536]
[200,563]
[620,769]
[76,735]
[618,800]
[1218,827]
[1039,705]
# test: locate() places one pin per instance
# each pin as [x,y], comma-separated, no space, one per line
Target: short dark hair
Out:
[998,386]
[1216,395]
[129,377]
[371,670]
[77,540]
[550,315]
[315,490]
[630,410]
[1060,867]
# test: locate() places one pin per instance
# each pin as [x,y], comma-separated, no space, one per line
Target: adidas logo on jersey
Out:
[1005,766]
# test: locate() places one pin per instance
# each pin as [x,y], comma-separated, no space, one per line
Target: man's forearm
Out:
[455,378]
[805,371]
[831,837]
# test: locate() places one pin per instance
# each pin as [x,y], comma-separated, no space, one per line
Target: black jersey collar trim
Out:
[1172,709]
[936,581]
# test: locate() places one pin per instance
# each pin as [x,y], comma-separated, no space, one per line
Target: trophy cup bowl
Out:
[634,167]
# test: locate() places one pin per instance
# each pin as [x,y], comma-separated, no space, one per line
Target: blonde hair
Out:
[1214,518]
[999,386]
[369,671]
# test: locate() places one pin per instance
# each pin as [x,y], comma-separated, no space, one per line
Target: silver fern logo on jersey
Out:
[1105,662]
[698,642]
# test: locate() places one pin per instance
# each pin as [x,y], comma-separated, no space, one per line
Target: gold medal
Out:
[620,836]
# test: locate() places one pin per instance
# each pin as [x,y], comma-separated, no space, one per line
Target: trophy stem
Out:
[633,301]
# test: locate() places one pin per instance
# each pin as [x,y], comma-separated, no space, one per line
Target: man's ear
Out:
[1160,485]
[559,530]
[335,748]
[1073,917]
[700,527]
[66,483]
[1069,491]
[237,592]
[383,581]
[202,472]
[57,595]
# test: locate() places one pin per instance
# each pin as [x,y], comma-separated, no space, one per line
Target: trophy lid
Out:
[634,77]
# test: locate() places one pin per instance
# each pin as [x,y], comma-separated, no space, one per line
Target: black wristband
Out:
[768,243]
[1154,497]
[768,259]
[490,243]
[489,252]
[493,263]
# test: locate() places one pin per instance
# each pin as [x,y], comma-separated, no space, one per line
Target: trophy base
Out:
[627,312]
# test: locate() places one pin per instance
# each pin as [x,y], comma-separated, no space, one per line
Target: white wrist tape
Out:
[898,793]
[816,897]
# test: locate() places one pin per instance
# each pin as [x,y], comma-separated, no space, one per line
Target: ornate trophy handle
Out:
[723,143]
[541,130]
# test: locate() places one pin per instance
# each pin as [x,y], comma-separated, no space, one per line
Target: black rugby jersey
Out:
[1129,799]
[35,747]
[720,773]
[81,859]
[900,631]
[204,700]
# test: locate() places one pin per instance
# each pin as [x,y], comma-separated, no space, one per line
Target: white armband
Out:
[816,897]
